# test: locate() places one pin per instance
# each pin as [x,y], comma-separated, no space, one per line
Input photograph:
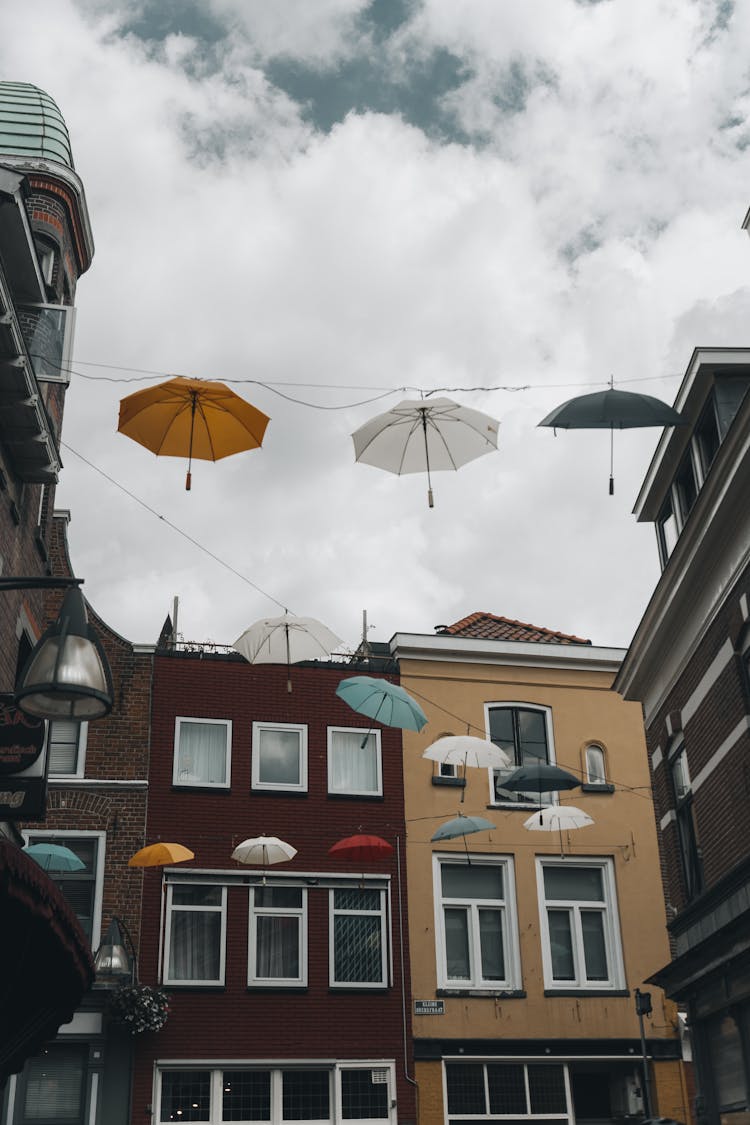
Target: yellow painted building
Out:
[527,946]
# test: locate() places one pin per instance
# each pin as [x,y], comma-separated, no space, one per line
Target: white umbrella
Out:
[463,749]
[263,851]
[286,640]
[555,818]
[429,434]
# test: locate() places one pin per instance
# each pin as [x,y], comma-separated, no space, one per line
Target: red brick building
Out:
[288,984]
[689,664]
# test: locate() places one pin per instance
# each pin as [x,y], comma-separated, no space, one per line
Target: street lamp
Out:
[67,675]
[643,1008]
[112,960]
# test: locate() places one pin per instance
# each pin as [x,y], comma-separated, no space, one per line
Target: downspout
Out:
[412,1081]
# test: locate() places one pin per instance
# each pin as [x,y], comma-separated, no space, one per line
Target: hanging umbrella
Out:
[381,700]
[361,849]
[191,418]
[263,851]
[557,818]
[462,826]
[463,749]
[158,855]
[612,410]
[54,857]
[286,640]
[425,436]
[537,778]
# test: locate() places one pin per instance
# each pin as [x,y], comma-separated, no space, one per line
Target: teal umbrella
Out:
[383,701]
[54,857]
[462,826]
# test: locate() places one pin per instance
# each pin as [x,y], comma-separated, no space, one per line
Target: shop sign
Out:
[23,784]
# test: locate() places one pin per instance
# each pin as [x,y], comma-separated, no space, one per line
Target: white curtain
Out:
[194,945]
[354,769]
[203,752]
[277,951]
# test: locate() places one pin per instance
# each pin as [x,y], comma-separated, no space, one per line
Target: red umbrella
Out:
[361,848]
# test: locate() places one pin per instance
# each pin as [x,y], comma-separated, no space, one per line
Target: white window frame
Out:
[185,783]
[73,833]
[511,947]
[382,913]
[591,776]
[80,769]
[189,982]
[509,704]
[561,1118]
[255,912]
[373,735]
[256,782]
[216,1070]
[611,927]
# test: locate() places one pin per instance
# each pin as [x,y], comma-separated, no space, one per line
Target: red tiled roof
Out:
[488,626]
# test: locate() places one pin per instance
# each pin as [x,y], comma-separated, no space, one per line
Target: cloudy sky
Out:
[333,205]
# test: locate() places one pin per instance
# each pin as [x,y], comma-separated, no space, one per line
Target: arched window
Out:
[596,773]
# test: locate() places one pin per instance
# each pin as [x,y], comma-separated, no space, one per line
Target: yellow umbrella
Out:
[156,855]
[191,418]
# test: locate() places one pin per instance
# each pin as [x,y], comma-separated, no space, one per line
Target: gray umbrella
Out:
[537,778]
[612,410]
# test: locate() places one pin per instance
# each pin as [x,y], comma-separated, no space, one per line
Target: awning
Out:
[45,961]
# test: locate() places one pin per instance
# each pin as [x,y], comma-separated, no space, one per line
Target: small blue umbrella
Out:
[54,857]
[462,826]
[381,700]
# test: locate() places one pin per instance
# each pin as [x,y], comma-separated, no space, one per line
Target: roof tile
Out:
[489,626]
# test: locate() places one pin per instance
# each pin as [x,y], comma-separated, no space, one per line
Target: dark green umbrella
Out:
[537,778]
[612,410]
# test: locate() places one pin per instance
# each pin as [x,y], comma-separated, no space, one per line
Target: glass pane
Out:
[507,1088]
[491,944]
[357,949]
[561,944]
[707,437]
[547,1089]
[573,884]
[478,880]
[191,894]
[279,897]
[687,489]
[730,391]
[680,776]
[277,952]
[279,752]
[185,1095]
[502,731]
[594,949]
[54,1086]
[725,1049]
[306,1095]
[458,964]
[353,899]
[667,532]
[63,747]
[532,734]
[194,947]
[202,755]
[595,774]
[246,1095]
[361,1098]
[353,768]
[465,1087]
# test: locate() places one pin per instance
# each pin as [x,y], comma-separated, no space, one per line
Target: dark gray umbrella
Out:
[538,778]
[612,410]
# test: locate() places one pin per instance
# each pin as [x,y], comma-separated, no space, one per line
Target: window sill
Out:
[196,787]
[485,993]
[587,992]
[589,787]
[193,986]
[355,796]
[279,989]
[362,989]
[450,782]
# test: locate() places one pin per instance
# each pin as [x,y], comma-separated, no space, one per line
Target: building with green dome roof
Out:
[31,124]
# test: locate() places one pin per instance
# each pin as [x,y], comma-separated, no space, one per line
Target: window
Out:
[706,437]
[279,756]
[277,936]
[54,1086]
[357,937]
[351,1091]
[686,487]
[202,752]
[196,924]
[475,924]
[66,748]
[667,530]
[687,838]
[354,762]
[82,887]
[497,1089]
[596,773]
[523,733]
[580,939]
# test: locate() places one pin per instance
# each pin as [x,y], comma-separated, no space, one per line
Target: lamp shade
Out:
[67,675]
[112,958]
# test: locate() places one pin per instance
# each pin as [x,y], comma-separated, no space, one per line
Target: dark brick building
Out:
[688,663]
[288,985]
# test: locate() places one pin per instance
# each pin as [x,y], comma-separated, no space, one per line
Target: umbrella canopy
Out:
[361,849]
[462,749]
[191,418]
[381,700]
[612,410]
[558,818]
[462,826]
[54,857]
[157,855]
[286,640]
[424,436]
[537,778]
[264,851]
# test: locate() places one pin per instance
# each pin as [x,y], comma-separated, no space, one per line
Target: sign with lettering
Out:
[429,1008]
[23,781]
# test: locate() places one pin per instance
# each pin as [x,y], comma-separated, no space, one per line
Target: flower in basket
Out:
[139,1007]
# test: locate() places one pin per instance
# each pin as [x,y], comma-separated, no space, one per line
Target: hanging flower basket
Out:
[138,1007]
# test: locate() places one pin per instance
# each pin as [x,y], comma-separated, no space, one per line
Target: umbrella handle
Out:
[430,500]
[189,477]
[611,460]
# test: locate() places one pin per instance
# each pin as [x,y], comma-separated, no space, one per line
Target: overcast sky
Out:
[323,202]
